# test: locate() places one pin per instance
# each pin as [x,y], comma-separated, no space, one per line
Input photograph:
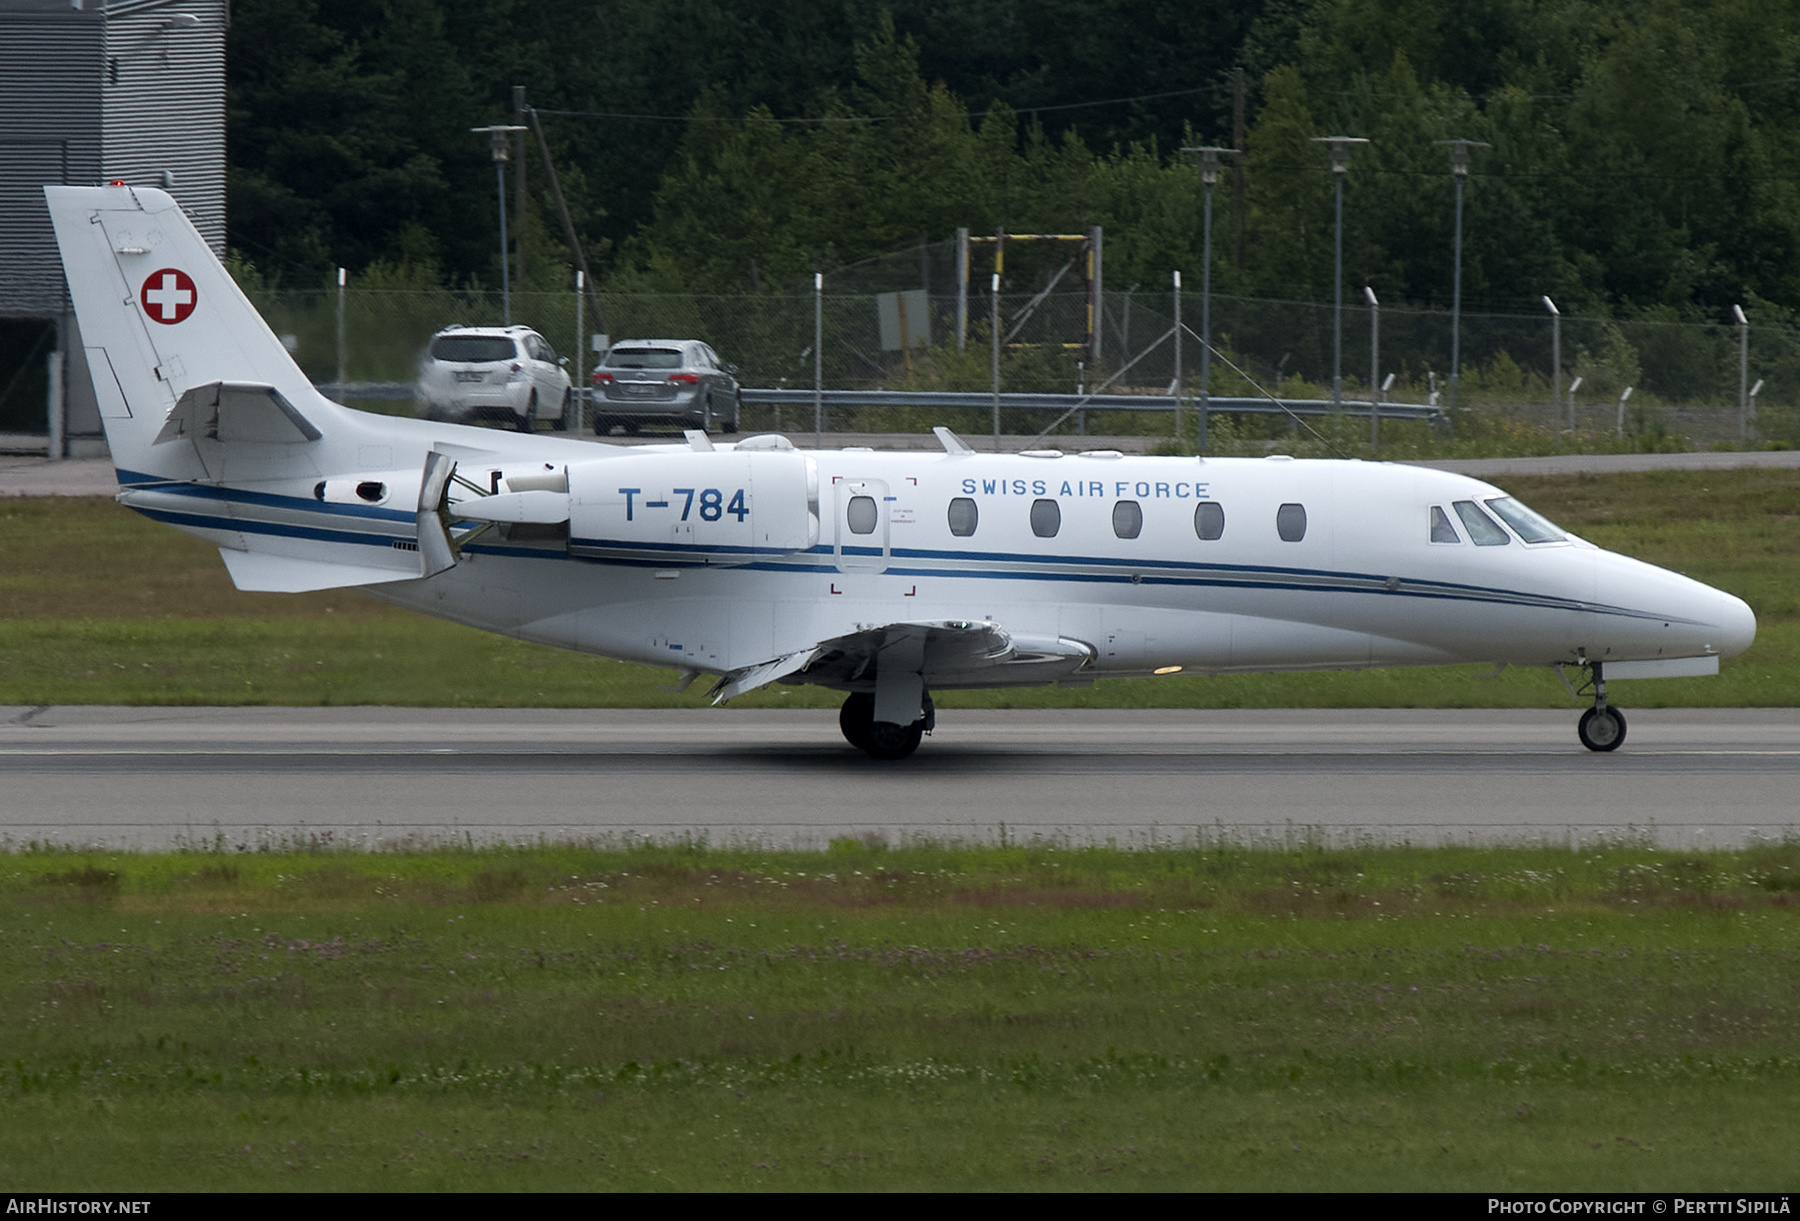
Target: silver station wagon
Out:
[673,381]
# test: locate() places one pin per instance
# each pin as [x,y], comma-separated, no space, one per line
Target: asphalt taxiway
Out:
[250,777]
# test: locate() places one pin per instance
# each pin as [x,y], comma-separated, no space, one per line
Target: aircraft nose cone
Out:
[1737,625]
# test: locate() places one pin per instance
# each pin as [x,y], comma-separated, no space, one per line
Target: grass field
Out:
[909,1017]
[98,605]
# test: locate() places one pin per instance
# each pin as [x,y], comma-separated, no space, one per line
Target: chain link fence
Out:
[1683,377]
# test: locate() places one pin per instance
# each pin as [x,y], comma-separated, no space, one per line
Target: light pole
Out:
[1209,177]
[1459,170]
[1737,312]
[1374,367]
[1555,367]
[1340,165]
[500,144]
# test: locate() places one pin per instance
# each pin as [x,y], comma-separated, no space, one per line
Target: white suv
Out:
[510,374]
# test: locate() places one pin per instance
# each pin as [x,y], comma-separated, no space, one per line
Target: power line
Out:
[963,114]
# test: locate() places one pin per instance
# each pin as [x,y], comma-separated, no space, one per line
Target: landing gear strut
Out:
[1602,727]
[881,739]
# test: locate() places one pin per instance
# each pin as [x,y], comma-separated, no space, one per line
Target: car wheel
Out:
[706,414]
[737,410]
[560,423]
[524,421]
[631,427]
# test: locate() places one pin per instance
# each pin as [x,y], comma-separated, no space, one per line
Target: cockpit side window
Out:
[1441,529]
[1480,526]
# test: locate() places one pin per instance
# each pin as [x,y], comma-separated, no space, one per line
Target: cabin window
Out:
[963,517]
[861,515]
[1128,519]
[1209,520]
[1526,524]
[1480,526]
[1046,518]
[1290,523]
[1441,529]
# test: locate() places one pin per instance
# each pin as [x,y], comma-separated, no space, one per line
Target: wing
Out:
[944,653]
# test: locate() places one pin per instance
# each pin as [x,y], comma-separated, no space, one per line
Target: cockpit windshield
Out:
[1530,526]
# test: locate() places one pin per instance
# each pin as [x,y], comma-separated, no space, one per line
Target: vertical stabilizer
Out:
[161,318]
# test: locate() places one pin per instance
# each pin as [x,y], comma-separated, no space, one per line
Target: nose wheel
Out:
[1602,727]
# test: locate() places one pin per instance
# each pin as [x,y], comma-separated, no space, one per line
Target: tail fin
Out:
[174,345]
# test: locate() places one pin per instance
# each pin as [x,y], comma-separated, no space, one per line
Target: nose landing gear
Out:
[1602,727]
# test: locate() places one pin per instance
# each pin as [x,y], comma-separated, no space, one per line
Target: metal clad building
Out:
[91,92]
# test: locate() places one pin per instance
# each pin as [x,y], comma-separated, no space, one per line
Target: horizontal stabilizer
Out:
[236,411]
[280,574]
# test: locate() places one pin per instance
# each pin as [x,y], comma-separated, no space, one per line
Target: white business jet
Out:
[887,576]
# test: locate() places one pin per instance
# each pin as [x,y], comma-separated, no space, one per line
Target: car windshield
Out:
[472,348]
[644,358]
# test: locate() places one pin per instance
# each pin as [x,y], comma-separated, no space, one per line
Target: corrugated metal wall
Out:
[164,105]
[51,62]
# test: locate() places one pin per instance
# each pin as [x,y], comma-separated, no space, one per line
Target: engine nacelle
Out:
[723,507]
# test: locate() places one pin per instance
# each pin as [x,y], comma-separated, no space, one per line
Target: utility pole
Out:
[1374,368]
[1555,367]
[1209,177]
[1340,165]
[519,175]
[1459,170]
[1237,139]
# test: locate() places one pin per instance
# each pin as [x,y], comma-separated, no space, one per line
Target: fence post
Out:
[1176,384]
[1743,374]
[580,396]
[1374,369]
[818,360]
[343,278]
[994,285]
[1555,368]
[962,287]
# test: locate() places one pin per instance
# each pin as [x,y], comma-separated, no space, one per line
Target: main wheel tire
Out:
[1602,729]
[877,739]
[856,717]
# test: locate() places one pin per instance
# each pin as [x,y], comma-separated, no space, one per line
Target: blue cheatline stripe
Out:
[952,564]
[296,504]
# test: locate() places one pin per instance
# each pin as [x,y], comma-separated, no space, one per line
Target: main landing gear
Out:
[1602,727]
[882,739]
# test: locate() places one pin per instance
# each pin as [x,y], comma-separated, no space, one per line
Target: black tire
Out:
[856,717]
[730,427]
[631,427]
[524,422]
[561,422]
[877,739]
[706,414]
[1602,729]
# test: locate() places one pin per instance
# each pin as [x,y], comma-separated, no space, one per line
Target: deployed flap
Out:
[280,574]
[236,411]
[937,653]
[733,685]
